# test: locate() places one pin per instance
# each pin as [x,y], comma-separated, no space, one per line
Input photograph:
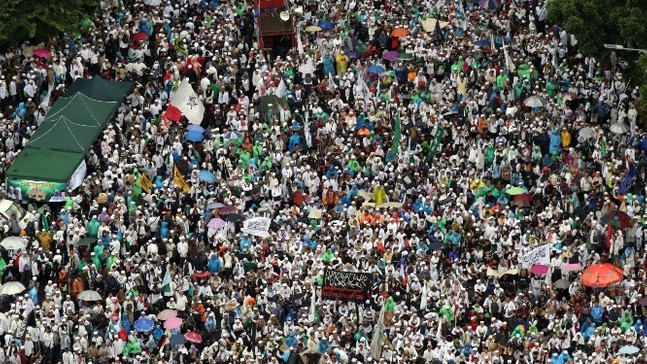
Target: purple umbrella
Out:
[390,56]
[216,223]
[352,55]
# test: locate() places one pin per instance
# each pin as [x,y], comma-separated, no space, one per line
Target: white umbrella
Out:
[585,134]
[307,68]
[12,288]
[535,101]
[89,296]
[619,128]
[13,243]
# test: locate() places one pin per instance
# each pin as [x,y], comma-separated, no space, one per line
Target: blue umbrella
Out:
[482,43]
[177,340]
[233,135]
[206,176]
[326,25]
[144,324]
[352,55]
[197,128]
[194,136]
[628,350]
[376,69]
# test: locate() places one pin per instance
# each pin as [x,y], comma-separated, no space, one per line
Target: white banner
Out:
[257,226]
[538,255]
[77,178]
[187,101]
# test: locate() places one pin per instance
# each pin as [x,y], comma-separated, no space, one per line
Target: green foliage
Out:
[596,22]
[40,19]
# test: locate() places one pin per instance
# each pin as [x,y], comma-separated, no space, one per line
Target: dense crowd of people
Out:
[431,144]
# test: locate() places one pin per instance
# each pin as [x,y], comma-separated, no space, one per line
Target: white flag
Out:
[509,64]
[375,350]
[187,101]
[299,42]
[280,89]
[257,226]
[538,255]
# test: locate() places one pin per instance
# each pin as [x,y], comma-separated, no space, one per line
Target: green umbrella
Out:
[405,57]
[513,191]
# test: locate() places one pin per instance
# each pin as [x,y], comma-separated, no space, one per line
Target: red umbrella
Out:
[42,52]
[523,200]
[139,37]
[193,337]
[539,269]
[226,210]
[601,275]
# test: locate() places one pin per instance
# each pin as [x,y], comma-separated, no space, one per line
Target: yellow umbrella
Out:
[313,29]
[430,24]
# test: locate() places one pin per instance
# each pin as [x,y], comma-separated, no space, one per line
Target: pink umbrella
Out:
[540,269]
[42,52]
[216,223]
[173,323]
[193,337]
[572,266]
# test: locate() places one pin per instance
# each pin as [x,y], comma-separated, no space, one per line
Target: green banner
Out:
[18,189]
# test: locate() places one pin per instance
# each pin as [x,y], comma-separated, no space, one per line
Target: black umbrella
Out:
[234,218]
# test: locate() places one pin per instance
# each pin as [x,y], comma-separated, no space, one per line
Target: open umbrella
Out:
[482,43]
[193,337]
[572,266]
[28,51]
[618,219]
[42,53]
[143,324]
[601,275]
[13,243]
[376,69]
[404,57]
[352,55]
[177,340]
[234,218]
[206,176]
[12,288]
[429,24]
[215,205]
[513,191]
[307,68]
[326,25]
[173,323]
[313,29]
[539,269]
[139,37]
[628,350]
[216,223]
[194,136]
[228,209]
[619,128]
[233,135]
[523,200]
[585,133]
[490,4]
[535,101]
[87,241]
[197,128]
[166,314]
[400,32]
[89,296]
[561,284]
[390,56]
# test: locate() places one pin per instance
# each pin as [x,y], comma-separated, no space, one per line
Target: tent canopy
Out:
[45,165]
[99,89]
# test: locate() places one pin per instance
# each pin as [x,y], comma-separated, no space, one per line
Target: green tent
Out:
[54,155]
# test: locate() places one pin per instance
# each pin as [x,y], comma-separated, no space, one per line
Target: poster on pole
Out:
[346,285]
[257,226]
[538,255]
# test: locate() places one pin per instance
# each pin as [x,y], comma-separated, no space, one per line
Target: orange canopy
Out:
[399,32]
[601,275]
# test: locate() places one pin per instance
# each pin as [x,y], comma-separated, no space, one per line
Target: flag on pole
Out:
[188,103]
[145,183]
[313,309]
[280,89]
[440,134]
[628,180]
[165,286]
[179,181]
[397,135]
[509,64]
[375,350]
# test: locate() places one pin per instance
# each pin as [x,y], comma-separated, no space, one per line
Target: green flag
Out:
[440,134]
[397,135]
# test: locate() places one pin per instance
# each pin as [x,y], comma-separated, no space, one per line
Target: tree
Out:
[596,22]
[40,19]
